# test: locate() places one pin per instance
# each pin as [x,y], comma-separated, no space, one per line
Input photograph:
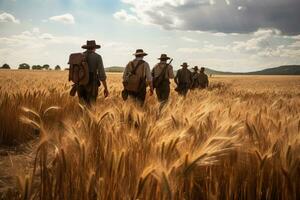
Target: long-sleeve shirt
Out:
[143,70]
[157,70]
[95,64]
[183,76]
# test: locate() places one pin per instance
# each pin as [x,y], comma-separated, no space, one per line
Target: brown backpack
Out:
[133,83]
[79,70]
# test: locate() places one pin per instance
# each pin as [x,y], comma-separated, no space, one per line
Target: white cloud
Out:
[207,48]
[123,15]
[65,18]
[262,43]
[219,34]
[47,36]
[6,17]
[187,39]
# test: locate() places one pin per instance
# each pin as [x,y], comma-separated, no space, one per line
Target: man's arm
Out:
[102,76]
[148,77]
[207,82]
[170,72]
[176,77]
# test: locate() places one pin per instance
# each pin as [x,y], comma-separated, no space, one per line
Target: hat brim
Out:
[91,47]
[165,58]
[140,54]
[184,65]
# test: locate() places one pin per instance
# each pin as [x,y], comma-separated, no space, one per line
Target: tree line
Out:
[33,67]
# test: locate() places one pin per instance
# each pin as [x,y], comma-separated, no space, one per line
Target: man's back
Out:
[157,70]
[95,64]
[203,79]
[142,71]
[184,76]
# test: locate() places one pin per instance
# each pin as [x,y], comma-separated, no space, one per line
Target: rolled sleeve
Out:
[101,71]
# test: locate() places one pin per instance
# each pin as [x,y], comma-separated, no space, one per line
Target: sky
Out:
[227,35]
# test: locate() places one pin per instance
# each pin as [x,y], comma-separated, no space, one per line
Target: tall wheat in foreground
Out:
[220,143]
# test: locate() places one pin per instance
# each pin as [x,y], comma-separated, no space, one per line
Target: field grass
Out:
[239,139]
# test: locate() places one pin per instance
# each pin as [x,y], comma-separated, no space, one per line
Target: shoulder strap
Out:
[134,68]
[164,70]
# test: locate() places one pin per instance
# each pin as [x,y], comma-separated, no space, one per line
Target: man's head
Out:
[195,68]
[91,45]
[202,69]
[164,57]
[184,65]
[139,53]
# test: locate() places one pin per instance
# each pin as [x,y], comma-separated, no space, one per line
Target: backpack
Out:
[158,80]
[79,70]
[133,82]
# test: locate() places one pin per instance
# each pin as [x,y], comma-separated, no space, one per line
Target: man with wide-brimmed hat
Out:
[183,79]
[203,79]
[195,78]
[137,77]
[161,74]
[88,93]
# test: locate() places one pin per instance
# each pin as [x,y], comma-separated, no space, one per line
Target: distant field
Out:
[239,139]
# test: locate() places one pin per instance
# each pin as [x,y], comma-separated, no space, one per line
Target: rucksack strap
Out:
[134,68]
[164,70]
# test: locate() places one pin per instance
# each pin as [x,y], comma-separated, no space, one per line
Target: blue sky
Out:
[231,35]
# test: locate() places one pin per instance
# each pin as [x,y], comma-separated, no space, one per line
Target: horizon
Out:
[224,35]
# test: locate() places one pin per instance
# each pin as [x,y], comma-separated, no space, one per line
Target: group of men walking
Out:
[138,76]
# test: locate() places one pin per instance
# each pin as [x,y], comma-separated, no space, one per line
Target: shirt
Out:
[143,70]
[183,76]
[157,70]
[95,64]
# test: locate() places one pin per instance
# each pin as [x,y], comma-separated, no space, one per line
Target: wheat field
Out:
[239,139]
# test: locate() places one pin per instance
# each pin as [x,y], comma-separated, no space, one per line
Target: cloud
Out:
[123,15]
[225,16]
[187,39]
[262,43]
[6,17]
[65,18]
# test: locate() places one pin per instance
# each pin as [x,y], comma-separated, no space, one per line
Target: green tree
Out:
[37,67]
[46,66]
[5,66]
[57,67]
[24,66]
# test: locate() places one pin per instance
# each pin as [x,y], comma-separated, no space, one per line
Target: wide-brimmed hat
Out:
[164,57]
[90,44]
[184,64]
[196,68]
[140,52]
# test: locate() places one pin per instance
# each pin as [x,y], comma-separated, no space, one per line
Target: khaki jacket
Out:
[157,70]
[142,71]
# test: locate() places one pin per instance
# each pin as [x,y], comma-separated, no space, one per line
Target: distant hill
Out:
[282,70]
[114,69]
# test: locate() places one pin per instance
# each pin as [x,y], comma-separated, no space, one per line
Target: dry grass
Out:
[237,140]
